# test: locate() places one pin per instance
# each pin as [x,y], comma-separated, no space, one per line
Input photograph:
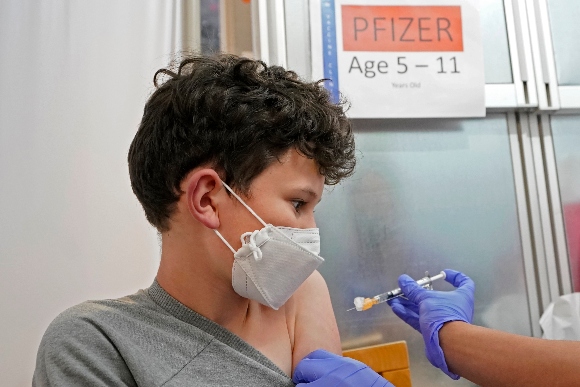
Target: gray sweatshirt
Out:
[147,339]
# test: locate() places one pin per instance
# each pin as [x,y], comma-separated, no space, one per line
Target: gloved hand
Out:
[324,369]
[427,311]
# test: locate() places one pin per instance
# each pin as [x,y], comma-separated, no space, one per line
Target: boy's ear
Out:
[201,190]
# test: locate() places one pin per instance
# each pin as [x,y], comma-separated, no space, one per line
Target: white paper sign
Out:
[406,58]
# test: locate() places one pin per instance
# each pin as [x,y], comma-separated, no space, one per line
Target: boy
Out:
[226,148]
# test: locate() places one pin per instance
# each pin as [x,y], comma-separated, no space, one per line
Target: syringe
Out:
[362,303]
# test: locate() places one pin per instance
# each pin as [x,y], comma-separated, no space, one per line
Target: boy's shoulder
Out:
[132,320]
[115,342]
[95,313]
[315,323]
[96,323]
[77,348]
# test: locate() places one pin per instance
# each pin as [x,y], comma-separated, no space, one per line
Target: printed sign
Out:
[395,59]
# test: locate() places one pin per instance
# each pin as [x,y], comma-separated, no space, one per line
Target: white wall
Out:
[74,76]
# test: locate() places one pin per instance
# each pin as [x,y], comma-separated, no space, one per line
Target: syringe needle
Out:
[348,310]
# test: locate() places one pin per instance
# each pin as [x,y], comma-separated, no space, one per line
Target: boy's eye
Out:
[298,204]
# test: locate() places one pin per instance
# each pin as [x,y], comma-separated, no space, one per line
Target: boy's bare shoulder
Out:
[315,324]
[312,287]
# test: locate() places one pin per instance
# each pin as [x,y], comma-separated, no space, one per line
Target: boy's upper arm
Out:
[315,324]
[75,352]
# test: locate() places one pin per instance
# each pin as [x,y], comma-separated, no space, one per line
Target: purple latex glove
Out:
[427,311]
[324,369]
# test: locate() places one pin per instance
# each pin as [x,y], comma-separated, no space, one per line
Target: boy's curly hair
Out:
[237,115]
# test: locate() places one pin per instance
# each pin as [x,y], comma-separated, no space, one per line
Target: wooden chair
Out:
[390,360]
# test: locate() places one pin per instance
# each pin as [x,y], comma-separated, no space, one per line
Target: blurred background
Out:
[496,197]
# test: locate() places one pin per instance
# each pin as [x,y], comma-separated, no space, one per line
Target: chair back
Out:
[391,360]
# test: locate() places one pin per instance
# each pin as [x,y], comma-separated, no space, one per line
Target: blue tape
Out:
[330,61]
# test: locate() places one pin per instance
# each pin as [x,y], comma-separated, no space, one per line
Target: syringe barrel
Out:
[384,297]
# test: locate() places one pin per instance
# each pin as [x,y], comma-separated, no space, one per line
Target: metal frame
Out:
[270,31]
[185,19]
[518,151]
[315,41]
[533,204]
[195,9]
[298,37]
[542,50]
[521,94]
[552,97]
[544,207]
[556,219]
[520,55]
[540,211]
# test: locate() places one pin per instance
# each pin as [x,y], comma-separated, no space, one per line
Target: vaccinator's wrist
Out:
[434,352]
[448,334]
[448,330]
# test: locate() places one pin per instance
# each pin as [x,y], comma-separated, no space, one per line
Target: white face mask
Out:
[273,262]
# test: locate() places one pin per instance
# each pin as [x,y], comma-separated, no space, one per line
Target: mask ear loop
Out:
[251,211]
[244,204]
[224,240]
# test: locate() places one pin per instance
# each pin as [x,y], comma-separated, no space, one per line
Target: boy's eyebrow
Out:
[311,193]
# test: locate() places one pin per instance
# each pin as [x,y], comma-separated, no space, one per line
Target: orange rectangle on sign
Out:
[401,28]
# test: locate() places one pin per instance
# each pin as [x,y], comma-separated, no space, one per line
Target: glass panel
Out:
[566,134]
[427,195]
[564,16]
[496,53]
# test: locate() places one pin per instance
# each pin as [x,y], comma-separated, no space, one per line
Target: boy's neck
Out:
[191,273]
